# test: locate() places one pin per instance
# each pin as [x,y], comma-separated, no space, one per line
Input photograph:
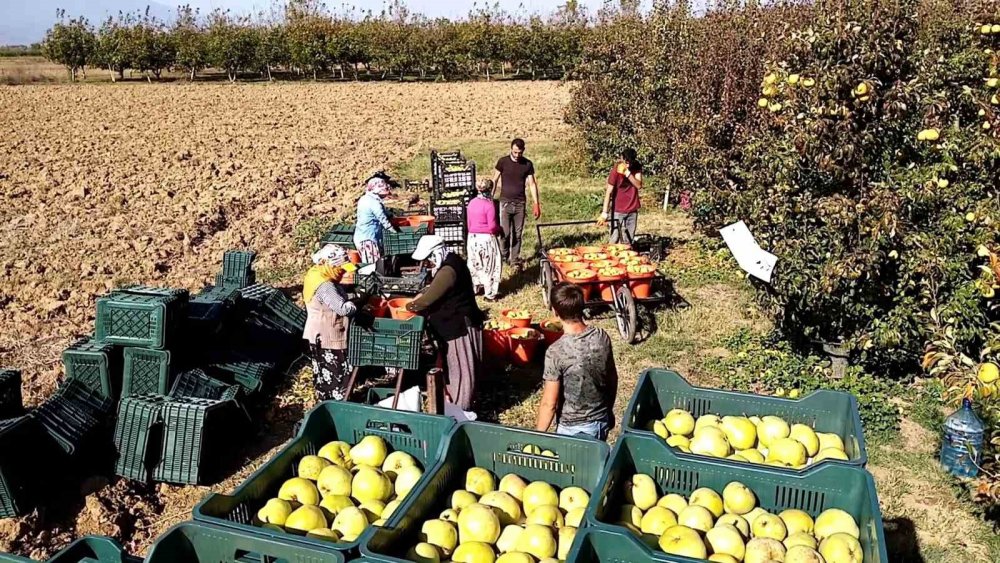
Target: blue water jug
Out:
[962,447]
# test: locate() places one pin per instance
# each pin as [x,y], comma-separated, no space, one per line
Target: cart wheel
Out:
[546,279]
[626,314]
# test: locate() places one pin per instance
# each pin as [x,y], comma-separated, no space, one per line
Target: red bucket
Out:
[523,345]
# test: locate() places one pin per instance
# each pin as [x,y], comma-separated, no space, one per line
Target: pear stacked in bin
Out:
[342,490]
[729,526]
[506,520]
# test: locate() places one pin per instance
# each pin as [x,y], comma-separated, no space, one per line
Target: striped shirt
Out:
[334,297]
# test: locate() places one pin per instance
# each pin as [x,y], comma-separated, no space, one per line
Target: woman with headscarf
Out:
[485,260]
[328,311]
[449,304]
[372,220]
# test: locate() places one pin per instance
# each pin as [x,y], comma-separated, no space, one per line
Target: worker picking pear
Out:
[342,490]
[505,520]
[731,527]
[768,440]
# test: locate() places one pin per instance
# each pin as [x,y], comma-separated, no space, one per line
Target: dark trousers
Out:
[512,225]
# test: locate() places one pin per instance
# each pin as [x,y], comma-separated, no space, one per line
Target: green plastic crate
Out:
[146,371]
[11,558]
[375,283]
[390,343]
[138,434]
[95,549]
[403,242]
[249,374]
[237,268]
[194,542]
[197,384]
[95,364]
[593,545]
[73,415]
[16,473]
[420,435]
[131,318]
[848,488]
[11,404]
[197,433]
[660,390]
[579,462]
[342,234]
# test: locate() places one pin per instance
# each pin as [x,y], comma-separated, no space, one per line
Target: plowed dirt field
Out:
[105,184]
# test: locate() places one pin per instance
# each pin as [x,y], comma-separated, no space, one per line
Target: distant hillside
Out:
[25,22]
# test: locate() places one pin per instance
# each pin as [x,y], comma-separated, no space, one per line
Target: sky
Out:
[25,21]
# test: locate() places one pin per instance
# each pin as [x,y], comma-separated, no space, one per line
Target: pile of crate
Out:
[453,184]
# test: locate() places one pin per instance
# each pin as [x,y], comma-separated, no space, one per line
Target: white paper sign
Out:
[754,260]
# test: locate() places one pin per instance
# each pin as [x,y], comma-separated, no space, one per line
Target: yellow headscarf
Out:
[317,276]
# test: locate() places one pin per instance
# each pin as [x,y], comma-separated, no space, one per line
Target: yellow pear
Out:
[679,422]
[546,515]
[276,511]
[801,538]
[479,481]
[371,451]
[310,466]
[788,451]
[710,441]
[682,540]
[507,508]
[796,521]
[736,521]
[574,518]
[753,456]
[473,552]
[305,518]
[769,526]
[740,432]
[324,534]
[450,515]
[334,480]
[396,461]
[337,453]
[390,507]
[709,499]
[807,437]
[572,498]
[763,550]
[302,491]
[772,429]
[440,533]
[726,539]
[675,502]
[659,428]
[834,521]
[656,520]
[722,558]
[478,523]
[841,548]
[537,540]
[515,557]
[828,440]
[738,499]
[370,484]
[538,493]
[679,442]
[803,554]
[423,553]
[830,453]
[630,514]
[707,420]
[407,478]
[507,542]
[350,523]
[513,486]
[333,504]
[461,499]
[373,509]
[640,490]
[565,541]
[696,517]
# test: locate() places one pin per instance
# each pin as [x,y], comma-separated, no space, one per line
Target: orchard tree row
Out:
[301,38]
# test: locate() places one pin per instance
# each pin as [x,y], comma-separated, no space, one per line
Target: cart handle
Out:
[538,228]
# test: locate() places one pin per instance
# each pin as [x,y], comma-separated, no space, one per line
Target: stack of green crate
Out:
[136,435]
[389,343]
[194,542]
[95,364]
[74,415]
[196,384]
[197,434]
[237,269]
[276,308]
[342,235]
[10,394]
[18,473]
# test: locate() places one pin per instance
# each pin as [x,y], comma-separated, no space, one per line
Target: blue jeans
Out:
[597,429]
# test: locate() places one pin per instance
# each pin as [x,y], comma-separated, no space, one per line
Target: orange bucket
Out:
[601,264]
[523,345]
[564,258]
[624,254]
[397,307]
[354,256]
[608,281]
[560,252]
[595,256]
[581,250]
[551,330]
[496,344]
[567,267]
[617,247]
[640,279]
[520,322]
[379,307]
[417,220]
[584,278]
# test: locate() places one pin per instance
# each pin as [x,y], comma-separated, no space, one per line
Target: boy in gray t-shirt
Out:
[581,380]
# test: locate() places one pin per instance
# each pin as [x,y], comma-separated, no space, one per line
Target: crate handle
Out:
[518,448]
[394,427]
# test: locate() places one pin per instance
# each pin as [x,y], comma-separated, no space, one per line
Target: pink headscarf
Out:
[378,186]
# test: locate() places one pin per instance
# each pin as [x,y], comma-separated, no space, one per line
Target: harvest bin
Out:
[848,488]
[192,542]
[419,435]
[661,390]
[88,549]
[579,462]
[593,545]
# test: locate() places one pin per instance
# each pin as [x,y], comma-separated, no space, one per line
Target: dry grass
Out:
[30,70]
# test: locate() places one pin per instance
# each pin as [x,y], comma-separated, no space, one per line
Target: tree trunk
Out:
[121,74]
[314,74]
[232,75]
[111,71]
[341,72]
[503,70]
[148,79]
[191,76]
[487,72]
[84,69]
[269,77]
[157,73]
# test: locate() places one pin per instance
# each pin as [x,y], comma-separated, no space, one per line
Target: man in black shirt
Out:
[515,174]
